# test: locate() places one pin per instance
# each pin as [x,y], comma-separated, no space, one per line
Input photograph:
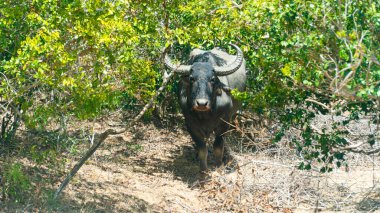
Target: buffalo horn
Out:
[180,69]
[231,68]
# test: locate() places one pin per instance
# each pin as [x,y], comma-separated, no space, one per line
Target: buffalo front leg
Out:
[202,154]
[201,148]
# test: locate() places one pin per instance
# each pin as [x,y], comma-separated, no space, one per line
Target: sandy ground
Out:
[153,169]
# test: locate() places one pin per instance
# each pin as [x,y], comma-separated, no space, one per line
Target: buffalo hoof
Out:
[204,177]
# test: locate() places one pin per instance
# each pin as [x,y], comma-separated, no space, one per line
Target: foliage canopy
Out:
[73,57]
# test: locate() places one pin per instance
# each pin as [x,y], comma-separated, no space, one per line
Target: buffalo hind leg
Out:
[218,150]
[219,144]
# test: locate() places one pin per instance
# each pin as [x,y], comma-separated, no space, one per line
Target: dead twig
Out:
[266,163]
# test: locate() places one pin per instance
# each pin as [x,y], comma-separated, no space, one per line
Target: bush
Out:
[15,183]
[77,58]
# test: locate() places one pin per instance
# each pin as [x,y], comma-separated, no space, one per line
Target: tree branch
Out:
[319,103]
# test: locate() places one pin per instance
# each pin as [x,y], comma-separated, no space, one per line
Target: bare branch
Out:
[354,146]
[367,152]
[319,103]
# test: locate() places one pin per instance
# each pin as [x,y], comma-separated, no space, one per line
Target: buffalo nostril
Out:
[202,102]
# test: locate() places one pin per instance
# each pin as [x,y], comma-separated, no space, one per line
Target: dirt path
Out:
[149,179]
[154,170]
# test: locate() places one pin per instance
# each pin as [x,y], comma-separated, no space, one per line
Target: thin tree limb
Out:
[319,103]
[88,154]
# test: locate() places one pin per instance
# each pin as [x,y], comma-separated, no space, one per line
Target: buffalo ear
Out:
[218,87]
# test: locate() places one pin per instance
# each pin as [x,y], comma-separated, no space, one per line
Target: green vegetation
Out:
[16,182]
[75,59]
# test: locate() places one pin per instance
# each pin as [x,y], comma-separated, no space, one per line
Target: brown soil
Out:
[153,169]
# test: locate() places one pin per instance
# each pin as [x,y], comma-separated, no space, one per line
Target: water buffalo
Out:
[205,96]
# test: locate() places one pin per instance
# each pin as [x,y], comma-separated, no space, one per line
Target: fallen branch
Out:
[366,152]
[103,136]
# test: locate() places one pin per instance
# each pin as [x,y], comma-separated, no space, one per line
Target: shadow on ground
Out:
[371,202]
